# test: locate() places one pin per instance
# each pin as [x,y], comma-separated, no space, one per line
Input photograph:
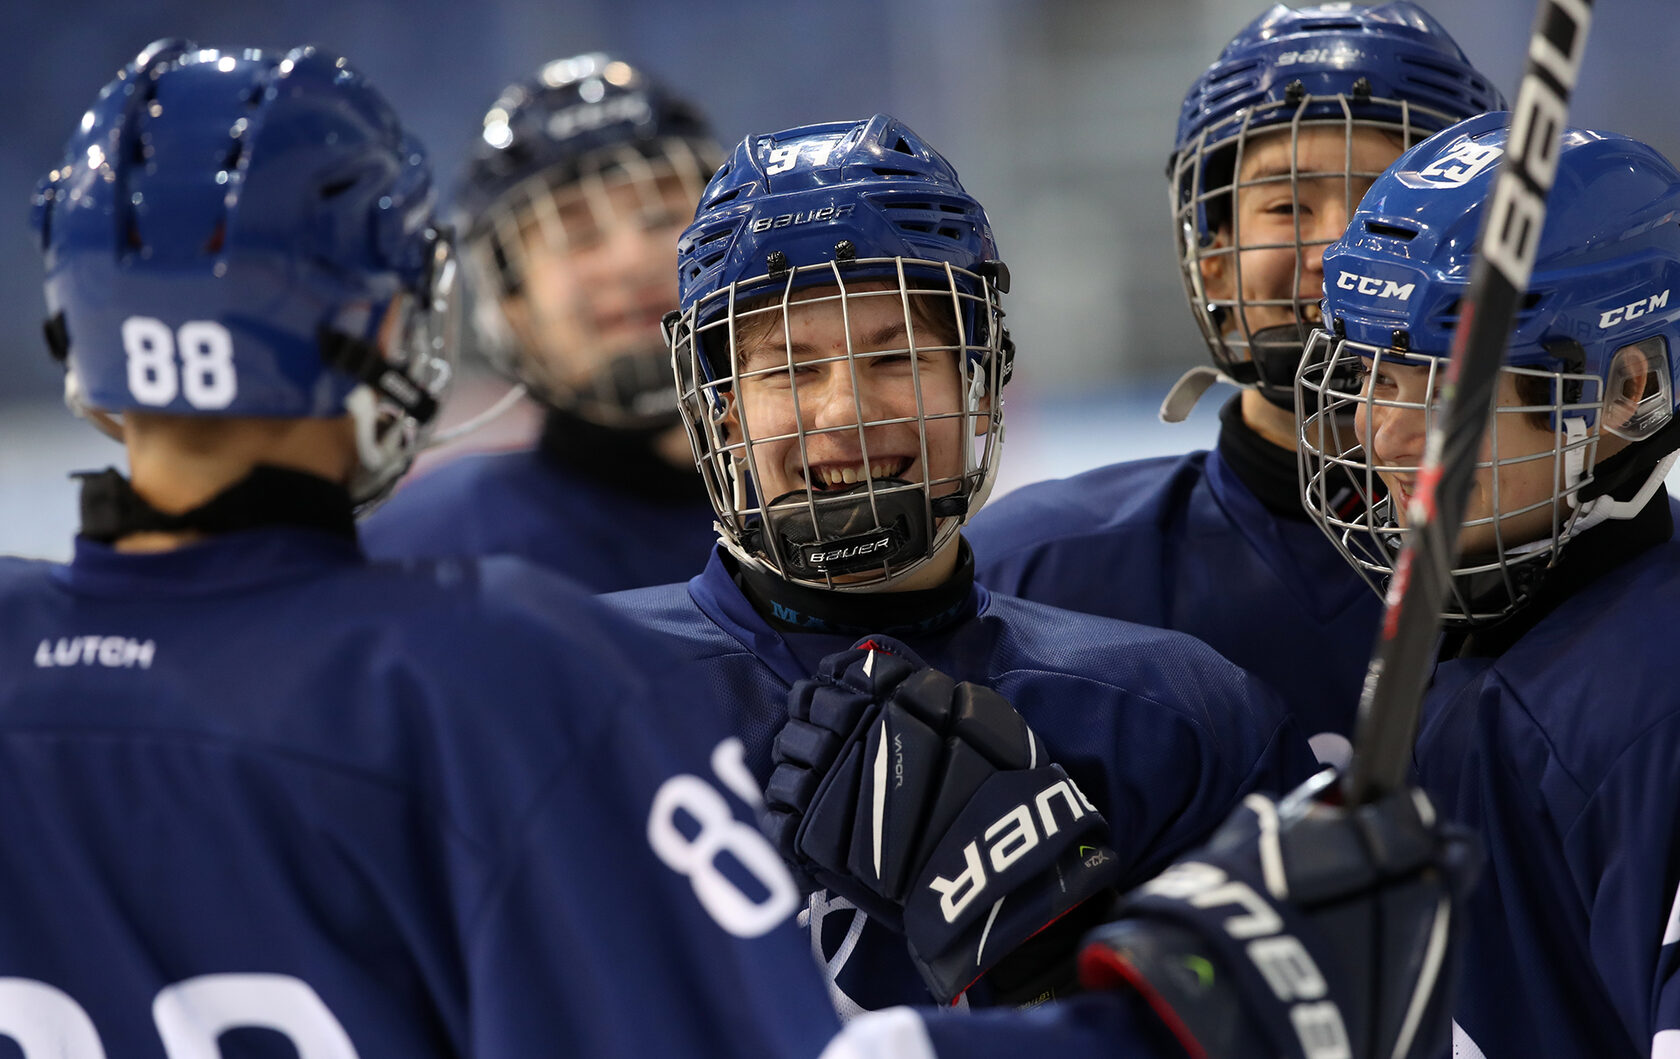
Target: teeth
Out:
[1313,313]
[833,476]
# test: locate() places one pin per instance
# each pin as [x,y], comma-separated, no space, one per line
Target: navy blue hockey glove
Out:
[1301,929]
[931,806]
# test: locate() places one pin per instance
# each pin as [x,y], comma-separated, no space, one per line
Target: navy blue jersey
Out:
[521,503]
[1181,543]
[1563,751]
[385,811]
[1158,730]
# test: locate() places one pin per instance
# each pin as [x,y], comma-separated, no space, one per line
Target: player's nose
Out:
[838,396]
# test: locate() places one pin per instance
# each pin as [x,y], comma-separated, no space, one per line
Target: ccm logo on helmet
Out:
[1612,317]
[1281,960]
[1008,839]
[1382,288]
[827,213]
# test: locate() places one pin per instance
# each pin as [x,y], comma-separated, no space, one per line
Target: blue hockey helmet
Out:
[859,213]
[589,148]
[1593,353]
[1328,71]
[243,233]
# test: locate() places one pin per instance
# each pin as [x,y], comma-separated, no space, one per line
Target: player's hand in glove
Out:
[1301,929]
[931,806]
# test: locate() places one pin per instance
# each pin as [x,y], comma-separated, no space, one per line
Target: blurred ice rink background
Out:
[1058,113]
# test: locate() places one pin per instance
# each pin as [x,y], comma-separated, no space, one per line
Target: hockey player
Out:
[259,789]
[570,209]
[841,356]
[256,784]
[1551,722]
[1277,141]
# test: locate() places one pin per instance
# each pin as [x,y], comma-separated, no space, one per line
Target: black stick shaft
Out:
[1392,698]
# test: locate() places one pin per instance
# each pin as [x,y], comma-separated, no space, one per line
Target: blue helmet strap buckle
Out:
[362,361]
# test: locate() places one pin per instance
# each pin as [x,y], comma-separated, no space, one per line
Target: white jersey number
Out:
[712,829]
[46,1024]
[206,377]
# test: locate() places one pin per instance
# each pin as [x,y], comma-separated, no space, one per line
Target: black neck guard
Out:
[1582,561]
[1269,471]
[796,608]
[624,461]
[268,496]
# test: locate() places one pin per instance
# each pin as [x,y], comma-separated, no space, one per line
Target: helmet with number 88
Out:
[840,352]
[1585,427]
[242,233]
[1276,142]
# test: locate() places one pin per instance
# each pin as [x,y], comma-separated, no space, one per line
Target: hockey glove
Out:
[1301,929]
[930,805]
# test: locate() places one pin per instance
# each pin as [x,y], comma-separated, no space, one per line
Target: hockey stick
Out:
[1392,698]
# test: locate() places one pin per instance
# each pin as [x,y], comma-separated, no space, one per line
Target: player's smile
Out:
[841,475]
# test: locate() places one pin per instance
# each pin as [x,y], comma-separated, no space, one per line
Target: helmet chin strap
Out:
[1189,388]
[1603,507]
[1272,351]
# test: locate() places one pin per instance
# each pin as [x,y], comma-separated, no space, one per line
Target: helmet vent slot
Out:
[1393,231]
[889,172]
[902,146]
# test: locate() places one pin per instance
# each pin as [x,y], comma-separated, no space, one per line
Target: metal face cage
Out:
[846,416]
[603,228]
[1341,396]
[1206,183]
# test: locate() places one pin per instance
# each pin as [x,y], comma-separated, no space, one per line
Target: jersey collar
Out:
[1268,471]
[1584,559]
[791,653]
[226,563]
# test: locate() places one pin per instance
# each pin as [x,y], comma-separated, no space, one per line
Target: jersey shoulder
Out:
[1102,495]
[1179,676]
[1104,505]
[459,507]
[1585,680]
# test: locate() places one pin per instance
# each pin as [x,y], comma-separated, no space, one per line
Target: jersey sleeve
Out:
[1166,763]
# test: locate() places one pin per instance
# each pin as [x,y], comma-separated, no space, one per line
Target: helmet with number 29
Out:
[241,233]
[1584,429]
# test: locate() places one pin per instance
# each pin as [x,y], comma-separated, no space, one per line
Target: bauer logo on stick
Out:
[1540,113]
